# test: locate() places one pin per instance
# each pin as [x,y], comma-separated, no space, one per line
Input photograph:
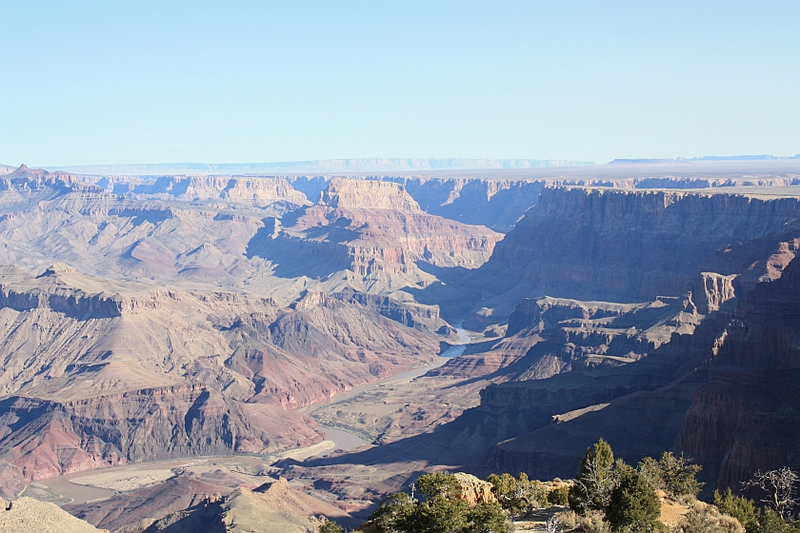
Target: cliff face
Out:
[712,292]
[747,418]
[347,194]
[495,203]
[413,315]
[624,245]
[45,438]
[724,395]
[248,191]
[638,408]
[387,237]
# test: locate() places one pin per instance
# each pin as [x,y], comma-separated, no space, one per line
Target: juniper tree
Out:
[779,486]
[595,480]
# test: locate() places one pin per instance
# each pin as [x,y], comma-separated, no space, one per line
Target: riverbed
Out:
[346,440]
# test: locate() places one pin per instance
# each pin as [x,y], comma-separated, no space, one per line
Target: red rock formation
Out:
[388,236]
[473,490]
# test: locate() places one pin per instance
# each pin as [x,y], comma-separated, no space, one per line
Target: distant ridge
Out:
[641,161]
[760,157]
[325,166]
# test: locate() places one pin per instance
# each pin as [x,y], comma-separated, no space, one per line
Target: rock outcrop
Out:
[473,490]
[387,237]
[712,292]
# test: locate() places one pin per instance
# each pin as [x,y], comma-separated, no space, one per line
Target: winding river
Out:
[345,440]
[88,485]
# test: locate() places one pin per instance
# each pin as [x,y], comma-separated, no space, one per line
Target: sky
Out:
[113,82]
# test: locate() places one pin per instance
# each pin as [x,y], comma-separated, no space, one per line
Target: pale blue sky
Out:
[224,82]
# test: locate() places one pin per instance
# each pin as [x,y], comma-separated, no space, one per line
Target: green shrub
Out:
[768,520]
[673,475]
[738,507]
[394,513]
[634,505]
[330,527]
[679,476]
[518,495]
[559,495]
[488,518]
[437,485]
[439,515]
[704,518]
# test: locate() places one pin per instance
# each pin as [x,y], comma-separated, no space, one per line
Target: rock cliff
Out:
[625,245]
[746,418]
[254,191]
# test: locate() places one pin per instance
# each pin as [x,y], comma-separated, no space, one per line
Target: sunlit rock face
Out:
[374,229]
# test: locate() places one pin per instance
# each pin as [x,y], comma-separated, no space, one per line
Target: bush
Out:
[330,527]
[704,518]
[437,485]
[634,504]
[518,495]
[768,520]
[394,513]
[673,475]
[591,522]
[488,518]
[438,515]
[440,511]
[559,495]
[738,507]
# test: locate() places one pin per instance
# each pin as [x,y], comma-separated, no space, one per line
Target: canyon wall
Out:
[746,418]
[623,245]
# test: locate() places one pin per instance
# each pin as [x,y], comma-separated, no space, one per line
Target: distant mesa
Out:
[760,157]
[342,193]
[641,161]
[328,166]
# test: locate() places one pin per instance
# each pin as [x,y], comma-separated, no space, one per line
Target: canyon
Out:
[154,318]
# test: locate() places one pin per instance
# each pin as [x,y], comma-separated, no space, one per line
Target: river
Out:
[345,440]
[105,482]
